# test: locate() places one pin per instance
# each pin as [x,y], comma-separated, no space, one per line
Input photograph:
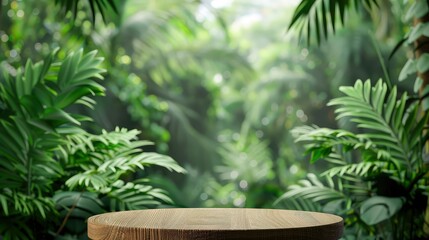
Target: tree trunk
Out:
[422,46]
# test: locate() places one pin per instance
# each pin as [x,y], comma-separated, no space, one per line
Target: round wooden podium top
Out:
[214,223]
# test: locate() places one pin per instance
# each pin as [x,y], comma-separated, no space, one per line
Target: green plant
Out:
[378,178]
[377,181]
[53,173]
[321,16]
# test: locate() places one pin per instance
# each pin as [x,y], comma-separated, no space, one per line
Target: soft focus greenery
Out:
[217,86]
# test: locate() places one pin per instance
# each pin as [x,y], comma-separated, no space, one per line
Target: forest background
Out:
[216,85]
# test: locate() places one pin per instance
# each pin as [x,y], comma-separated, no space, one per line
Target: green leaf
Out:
[71,97]
[423,63]
[311,16]
[425,101]
[83,200]
[417,10]
[417,84]
[324,19]
[160,160]
[409,68]
[390,105]
[332,11]
[319,154]
[377,209]
[59,115]
[421,29]
[3,202]
[68,68]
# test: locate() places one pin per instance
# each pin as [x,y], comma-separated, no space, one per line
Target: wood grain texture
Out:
[214,223]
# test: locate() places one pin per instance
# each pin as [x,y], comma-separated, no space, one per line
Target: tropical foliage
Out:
[320,17]
[377,177]
[54,174]
[215,84]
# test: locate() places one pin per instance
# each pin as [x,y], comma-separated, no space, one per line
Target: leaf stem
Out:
[29,175]
[382,62]
[66,218]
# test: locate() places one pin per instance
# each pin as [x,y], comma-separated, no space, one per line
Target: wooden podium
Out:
[214,223]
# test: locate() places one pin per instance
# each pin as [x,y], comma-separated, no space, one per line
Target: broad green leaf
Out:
[423,63]
[390,105]
[409,68]
[425,101]
[421,29]
[4,205]
[417,10]
[334,207]
[378,97]
[367,91]
[28,77]
[59,115]
[84,200]
[417,84]
[67,70]
[69,98]
[399,112]
[377,209]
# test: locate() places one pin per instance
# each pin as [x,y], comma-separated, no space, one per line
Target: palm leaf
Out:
[135,195]
[322,141]
[74,208]
[95,6]
[390,124]
[356,169]
[105,157]
[392,129]
[312,190]
[318,16]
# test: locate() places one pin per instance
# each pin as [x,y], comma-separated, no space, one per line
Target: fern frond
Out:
[135,195]
[75,78]
[105,157]
[296,203]
[89,179]
[390,125]
[312,190]
[320,142]
[356,169]
[26,205]
[331,195]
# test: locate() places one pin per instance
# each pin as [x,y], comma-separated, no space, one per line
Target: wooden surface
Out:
[214,223]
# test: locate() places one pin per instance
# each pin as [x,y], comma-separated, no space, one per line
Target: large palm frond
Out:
[321,15]
[392,126]
[105,158]
[96,6]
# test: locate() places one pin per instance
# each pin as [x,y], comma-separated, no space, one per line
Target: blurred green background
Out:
[215,84]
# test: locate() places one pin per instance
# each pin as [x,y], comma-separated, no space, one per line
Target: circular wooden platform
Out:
[214,223]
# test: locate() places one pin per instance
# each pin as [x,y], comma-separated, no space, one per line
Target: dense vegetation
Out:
[218,86]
